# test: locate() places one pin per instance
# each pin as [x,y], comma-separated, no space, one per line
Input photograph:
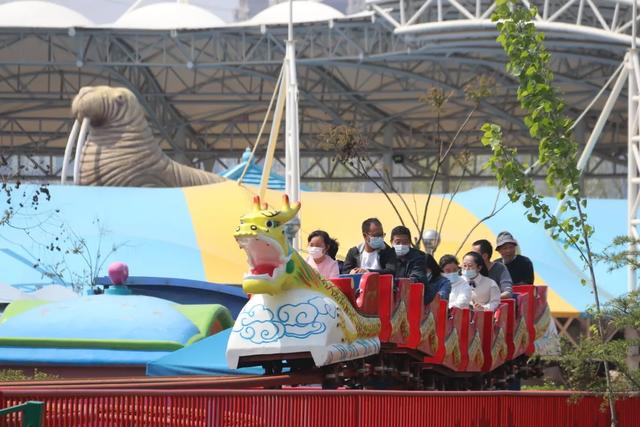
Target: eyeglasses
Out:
[378,235]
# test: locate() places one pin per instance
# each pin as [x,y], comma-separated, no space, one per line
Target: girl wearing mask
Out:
[460,295]
[485,293]
[322,250]
[436,282]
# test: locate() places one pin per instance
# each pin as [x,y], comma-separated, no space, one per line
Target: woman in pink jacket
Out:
[322,250]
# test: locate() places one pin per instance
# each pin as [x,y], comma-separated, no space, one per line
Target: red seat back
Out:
[345,284]
[367,301]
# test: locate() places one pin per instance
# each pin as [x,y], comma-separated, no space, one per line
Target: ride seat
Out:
[345,284]
[367,300]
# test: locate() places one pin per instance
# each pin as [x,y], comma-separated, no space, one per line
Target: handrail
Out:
[32,413]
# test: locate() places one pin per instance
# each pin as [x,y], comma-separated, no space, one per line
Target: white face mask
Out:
[315,252]
[401,250]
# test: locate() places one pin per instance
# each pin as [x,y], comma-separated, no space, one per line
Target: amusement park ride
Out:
[376,333]
[367,331]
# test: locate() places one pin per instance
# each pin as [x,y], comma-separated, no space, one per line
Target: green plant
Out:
[529,62]
[547,385]
[348,145]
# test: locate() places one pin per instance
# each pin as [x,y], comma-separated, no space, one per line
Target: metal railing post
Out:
[32,413]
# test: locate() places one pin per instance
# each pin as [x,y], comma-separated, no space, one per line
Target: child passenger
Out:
[460,295]
[322,250]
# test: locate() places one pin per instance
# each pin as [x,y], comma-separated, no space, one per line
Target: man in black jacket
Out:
[410,262]
[371,255]
[520,267]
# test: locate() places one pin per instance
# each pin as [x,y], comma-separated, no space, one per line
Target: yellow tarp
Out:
[216,209]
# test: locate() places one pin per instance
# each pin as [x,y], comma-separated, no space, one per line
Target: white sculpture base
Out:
[296,321]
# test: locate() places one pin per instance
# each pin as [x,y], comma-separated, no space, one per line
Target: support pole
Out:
[292,137]
[633,153]
[581,165]
[632,166]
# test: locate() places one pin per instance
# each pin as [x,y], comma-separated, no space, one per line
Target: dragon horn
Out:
[256,203]
[288,211]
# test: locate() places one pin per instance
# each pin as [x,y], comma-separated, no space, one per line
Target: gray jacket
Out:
[500,274]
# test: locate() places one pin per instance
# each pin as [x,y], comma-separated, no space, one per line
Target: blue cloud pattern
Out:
[258,324]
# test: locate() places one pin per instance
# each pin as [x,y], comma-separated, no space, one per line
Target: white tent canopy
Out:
[168,15]
[40,14]
[303,11]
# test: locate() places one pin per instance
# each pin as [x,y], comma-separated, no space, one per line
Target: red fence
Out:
[266,408]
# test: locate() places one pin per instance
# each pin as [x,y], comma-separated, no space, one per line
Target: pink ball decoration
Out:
[118,273]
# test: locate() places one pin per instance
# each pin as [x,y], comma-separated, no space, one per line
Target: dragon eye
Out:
[269,223]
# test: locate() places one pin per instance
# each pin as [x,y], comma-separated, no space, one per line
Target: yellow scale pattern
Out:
[499,349]
[542,324]
[428,331]
[452,347]
[475,350]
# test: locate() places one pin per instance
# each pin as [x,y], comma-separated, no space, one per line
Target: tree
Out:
[19,199]
[528,62]
[47,232]
[583,364]
[78,252]
[349,143]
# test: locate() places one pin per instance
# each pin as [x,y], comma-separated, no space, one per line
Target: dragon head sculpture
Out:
[261,234]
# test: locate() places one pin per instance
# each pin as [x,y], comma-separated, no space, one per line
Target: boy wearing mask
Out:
[410,261]
[372,255]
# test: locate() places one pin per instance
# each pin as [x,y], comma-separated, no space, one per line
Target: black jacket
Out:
[412,266]
[387,260]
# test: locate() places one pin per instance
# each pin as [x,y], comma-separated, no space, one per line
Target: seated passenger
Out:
[519,266]
[496,270]
[485,293]
[460,296]
[410,262]
[436,282]
[373,254]
[322,250]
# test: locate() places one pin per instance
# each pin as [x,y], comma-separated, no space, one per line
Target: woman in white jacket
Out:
[485,293]
[460,295]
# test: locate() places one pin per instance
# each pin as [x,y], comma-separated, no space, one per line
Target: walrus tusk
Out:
[71,141]
[84,130]
[121,149]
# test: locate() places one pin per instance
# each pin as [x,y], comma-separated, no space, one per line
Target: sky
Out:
[106,11]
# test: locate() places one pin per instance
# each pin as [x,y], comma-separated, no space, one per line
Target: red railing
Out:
[311,408]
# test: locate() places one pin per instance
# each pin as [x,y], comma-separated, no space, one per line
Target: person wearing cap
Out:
[520,267]
[498,272]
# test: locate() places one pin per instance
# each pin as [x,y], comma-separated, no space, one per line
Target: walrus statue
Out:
[120,149]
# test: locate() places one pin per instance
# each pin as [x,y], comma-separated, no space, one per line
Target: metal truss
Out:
[206,92]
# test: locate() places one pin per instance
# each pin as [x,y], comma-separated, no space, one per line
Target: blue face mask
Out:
[452,276]
[469,274]
[376,242]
